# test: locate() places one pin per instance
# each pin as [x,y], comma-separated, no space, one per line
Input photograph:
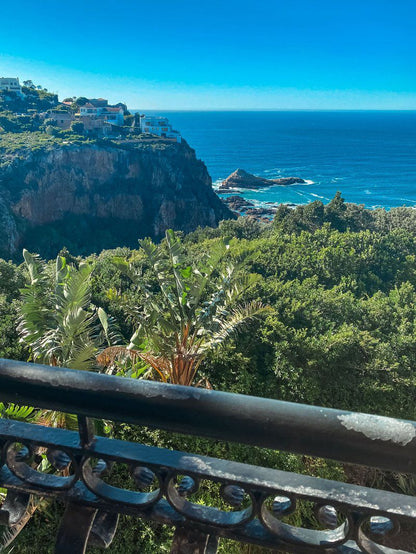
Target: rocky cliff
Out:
[101,195]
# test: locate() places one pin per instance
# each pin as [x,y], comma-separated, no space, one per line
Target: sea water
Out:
[370,156]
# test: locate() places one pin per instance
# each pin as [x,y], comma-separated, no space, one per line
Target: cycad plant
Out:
[192,310]
[58,323]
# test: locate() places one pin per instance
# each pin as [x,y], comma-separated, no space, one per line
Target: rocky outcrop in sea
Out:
[240,179]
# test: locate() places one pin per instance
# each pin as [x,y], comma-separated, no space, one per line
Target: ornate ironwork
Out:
[254,502]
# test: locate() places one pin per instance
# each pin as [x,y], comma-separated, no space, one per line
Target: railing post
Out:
[192,541]
[75,529]
[86,430]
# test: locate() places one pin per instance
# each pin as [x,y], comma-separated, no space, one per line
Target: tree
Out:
[81,101]
[335,212]
[313,215]
[192,311]
[77,127]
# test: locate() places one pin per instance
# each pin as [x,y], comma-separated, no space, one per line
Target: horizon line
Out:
[275,109]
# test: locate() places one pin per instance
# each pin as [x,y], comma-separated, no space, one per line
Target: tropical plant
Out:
[192,311]
[58,323]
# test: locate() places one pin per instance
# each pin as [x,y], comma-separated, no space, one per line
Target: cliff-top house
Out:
[159,126]
[11,84]
[99,108]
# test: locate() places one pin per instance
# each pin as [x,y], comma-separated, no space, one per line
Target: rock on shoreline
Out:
[241,179]
[242,206]
[237,203]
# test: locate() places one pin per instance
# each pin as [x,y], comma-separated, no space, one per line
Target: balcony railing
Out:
[255,500]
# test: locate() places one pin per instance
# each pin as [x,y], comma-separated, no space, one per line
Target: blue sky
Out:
[182,54]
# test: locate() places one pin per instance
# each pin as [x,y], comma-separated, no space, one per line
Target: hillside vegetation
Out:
[339,284]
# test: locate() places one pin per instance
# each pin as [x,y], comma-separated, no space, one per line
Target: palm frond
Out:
[113,353]
[233,323]
[13,411]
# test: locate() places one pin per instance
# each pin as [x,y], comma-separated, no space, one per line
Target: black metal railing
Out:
[255,502]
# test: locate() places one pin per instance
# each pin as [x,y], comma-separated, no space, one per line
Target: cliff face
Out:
[90,197]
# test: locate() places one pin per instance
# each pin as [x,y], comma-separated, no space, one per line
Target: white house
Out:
[113,115]
[88,110]
[159,126]
[11,84]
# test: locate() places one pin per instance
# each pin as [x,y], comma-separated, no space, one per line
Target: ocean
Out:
[370,157]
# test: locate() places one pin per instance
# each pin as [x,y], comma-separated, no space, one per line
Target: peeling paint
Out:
[195,463]
[379,427]
[167,393]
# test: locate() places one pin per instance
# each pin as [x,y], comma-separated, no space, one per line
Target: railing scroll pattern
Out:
[254,502]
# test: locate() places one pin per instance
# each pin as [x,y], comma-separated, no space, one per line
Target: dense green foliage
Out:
[20,114]
[33,99]
[340,331]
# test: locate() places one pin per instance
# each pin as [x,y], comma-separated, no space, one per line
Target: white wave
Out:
[274,170]
[308,182]
[300,193]
[227,190]
[407,200]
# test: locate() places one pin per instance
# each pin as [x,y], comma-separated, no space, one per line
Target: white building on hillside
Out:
[10,84]
[159,126]
[113,115]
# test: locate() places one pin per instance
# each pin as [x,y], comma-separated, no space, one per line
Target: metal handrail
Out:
[377,441]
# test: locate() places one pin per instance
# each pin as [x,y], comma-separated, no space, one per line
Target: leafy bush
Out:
[340,332]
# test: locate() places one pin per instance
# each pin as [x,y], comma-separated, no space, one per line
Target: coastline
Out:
[367,156]
[259,204]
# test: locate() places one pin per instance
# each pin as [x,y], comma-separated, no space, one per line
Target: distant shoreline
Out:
[274,110]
